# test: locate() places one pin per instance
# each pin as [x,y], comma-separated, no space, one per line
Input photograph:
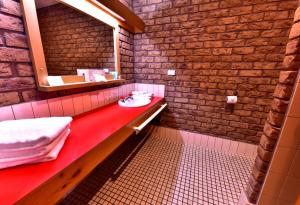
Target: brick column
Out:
[276,116]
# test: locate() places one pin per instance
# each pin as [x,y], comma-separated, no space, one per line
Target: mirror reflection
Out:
[73,42]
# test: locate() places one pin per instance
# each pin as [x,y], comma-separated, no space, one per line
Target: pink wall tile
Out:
[40,109]
[135,86]
[204,140]
[87,102]
[218,143]
[211,142]
[192,138]
[94,100]
[233,147]
[107,95]
[156,90]
[115,94]
[122,91]
[225,145]
[150,88]
[78,104]
[23,111]
[125,90]
[184,136]
[251,150]
[140,87]
[197,139]
[55,107]
[241,149]
[161,90]
[6,113]
[145,87]
[67,105]
[131,87]
[101,100]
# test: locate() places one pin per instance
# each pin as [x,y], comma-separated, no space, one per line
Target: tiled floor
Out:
[160,170]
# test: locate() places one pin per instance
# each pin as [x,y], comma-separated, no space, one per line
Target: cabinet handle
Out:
[146,122]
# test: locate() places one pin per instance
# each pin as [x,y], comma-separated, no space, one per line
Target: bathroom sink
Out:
[134,102]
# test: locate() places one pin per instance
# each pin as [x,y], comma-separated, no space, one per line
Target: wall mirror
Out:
[73,43]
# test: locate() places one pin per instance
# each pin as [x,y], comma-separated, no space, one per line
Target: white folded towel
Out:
[52,152]
[6,154]
[31,132]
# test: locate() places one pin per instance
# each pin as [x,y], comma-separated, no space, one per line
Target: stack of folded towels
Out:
[32,140]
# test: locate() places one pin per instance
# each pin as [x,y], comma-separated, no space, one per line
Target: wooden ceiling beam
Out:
[134,23]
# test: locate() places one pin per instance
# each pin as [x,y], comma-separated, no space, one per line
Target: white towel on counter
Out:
[20,152]
[31,132]
[51,152]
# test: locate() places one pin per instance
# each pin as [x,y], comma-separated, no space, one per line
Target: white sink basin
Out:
[135,102]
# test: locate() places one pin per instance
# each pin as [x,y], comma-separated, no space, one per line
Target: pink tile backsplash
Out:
[23,111]
[157,90]
[241,149]
[101,100]
[94,100]
[6,113]
[233,146]
[78,104]
[74,104]
[55,107]
[210,142]
[68,106]
[225,145]
[87,103]
[40,109]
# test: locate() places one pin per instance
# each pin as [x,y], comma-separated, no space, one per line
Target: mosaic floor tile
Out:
[157,170]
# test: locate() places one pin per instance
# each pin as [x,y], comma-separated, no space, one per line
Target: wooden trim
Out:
[117,50]
[35,42]
[36,47]
[73,78]
[121,21]
[79,85]
[93,10]
[130,17]
[59,185]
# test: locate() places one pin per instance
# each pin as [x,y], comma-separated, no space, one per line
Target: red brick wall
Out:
[73,40]
[217,47]
[16,76]
[17,82]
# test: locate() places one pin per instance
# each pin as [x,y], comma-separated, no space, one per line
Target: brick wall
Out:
[217,47]
[17,82]
[16,76]
[273,125]
[73,40]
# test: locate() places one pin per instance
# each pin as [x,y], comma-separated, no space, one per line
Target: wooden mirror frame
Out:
[89,7]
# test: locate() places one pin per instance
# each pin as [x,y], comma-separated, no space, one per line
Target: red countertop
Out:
[87,131]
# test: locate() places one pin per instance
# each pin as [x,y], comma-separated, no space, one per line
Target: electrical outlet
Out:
[171,72]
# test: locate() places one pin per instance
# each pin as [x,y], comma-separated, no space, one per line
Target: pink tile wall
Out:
[73,104]
[210,142]
[157,90]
